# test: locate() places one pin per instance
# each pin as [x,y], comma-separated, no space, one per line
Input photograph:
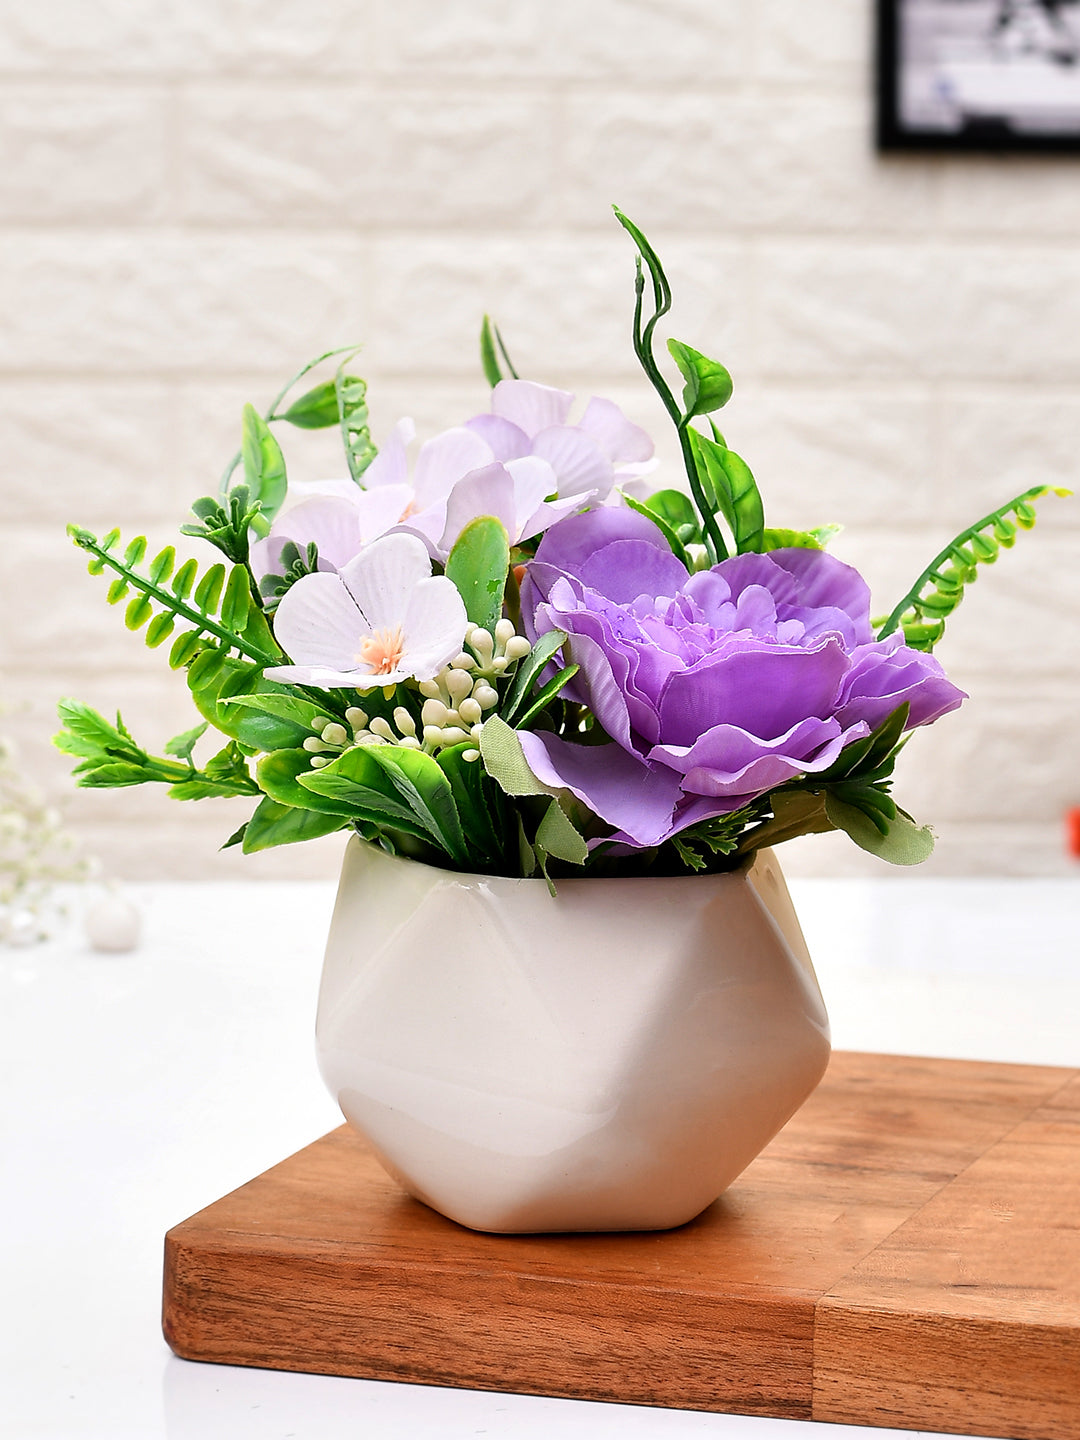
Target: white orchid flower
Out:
[381,619]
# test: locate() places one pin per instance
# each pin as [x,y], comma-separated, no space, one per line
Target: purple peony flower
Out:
[715,687]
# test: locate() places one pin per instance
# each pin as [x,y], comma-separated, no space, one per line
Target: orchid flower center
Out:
[382,649]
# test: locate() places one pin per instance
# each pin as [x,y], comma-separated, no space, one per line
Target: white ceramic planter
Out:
[608,1059]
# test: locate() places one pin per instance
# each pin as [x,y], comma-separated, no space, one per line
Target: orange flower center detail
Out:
[382,650]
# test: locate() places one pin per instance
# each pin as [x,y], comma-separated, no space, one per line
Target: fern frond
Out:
[220,608]
[922,613]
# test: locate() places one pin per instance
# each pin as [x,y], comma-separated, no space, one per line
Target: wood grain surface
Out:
[905,1253]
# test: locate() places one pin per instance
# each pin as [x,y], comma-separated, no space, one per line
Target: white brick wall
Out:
[198,195]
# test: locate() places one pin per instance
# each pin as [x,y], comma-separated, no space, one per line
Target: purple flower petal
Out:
[621,789]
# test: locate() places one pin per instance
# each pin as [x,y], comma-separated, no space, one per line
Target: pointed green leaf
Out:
[264,464]
[426,790]
[529,668]
[727,476]
[708,384]
[183,745]
[674,543]
[355,781]
[317,409]
[273,824]
[278,776]
[477,565]
[489,359]
[301,712]
[546,694]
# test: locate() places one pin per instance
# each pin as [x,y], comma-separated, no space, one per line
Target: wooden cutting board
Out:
[905,1253]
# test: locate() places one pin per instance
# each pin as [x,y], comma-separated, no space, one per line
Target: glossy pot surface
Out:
[610,1058]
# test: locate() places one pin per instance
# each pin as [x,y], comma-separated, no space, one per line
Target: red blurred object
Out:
[1072,831]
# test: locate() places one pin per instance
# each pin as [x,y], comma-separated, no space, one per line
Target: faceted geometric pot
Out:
[607,1059]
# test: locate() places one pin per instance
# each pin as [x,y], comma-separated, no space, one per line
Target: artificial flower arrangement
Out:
[513,659]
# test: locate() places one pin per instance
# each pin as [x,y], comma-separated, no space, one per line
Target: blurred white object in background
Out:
[112,923]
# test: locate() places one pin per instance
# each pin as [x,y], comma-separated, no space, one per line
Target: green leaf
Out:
[546,694]
[264,464]
[161,567]
[708,384]
[184,648]
[791,540]
[477,565]
[360,784]
[159,629]
[678,510]
[237,599]
[184,579]
[476,799]
[674,543]
[504,760]
[489,359]
[183,745]
[139,610]
[728,478]
[278,776]
[557,836]
[426,790]
[529,668]
[903,843]
[317,409]
[307,716]
[208,591]
[273,824]
[236,838]
[214,689]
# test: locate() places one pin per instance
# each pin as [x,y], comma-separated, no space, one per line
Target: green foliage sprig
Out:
[922,613]
[219,607]
[109,756]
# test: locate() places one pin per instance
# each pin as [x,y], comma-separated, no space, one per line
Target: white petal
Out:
[331,523]
[434,627]
[444,459]
[576,459]
[319,676]
[530,406]
[391,466]
[382,508]
[317,623]
[381,578]
[489,491]
[544,516]
[619,438]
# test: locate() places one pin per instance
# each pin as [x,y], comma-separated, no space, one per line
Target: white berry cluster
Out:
[455,703]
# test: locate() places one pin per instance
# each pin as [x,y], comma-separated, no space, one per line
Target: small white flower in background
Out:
[381,619]
[35,855]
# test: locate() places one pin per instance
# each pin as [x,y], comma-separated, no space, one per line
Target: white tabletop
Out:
[138,1088]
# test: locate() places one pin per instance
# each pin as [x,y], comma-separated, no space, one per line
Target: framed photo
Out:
[979,75]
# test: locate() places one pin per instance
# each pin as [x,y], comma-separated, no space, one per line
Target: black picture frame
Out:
[922,104]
